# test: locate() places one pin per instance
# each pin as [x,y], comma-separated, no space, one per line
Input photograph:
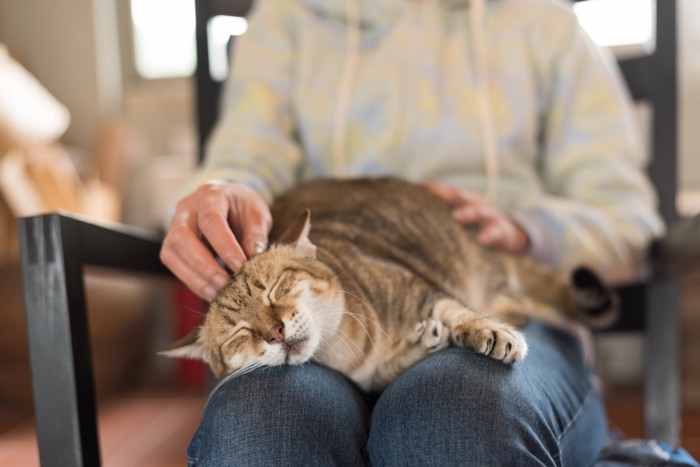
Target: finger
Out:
[197,268]
[478,213]
[454,195]
[465,214]
[212,222]
[448,193]
[493,234]
[255,239]
[201,287]
[445,192]
[504,234]
[257,222]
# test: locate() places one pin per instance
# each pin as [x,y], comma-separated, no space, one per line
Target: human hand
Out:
[494,229]
[225,219]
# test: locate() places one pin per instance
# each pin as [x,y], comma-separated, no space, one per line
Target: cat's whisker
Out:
[194,310]
[363,303]
[247,369]
[377,323]
[369,336]
[345,339]
[340,339]
[343,311]
[340,310]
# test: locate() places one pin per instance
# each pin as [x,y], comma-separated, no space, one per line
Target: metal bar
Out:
[663,169]
[117,246]
[62,380]
[662,374]
[637,76]
[55,248]
[208,89]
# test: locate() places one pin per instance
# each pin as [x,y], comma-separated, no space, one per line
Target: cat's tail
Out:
[594,302]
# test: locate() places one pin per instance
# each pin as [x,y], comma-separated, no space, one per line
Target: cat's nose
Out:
[276,334]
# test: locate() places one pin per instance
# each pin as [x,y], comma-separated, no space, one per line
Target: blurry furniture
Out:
[56,248]
[208,88]
[652,306]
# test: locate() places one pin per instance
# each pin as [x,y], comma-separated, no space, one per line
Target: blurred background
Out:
[97,116]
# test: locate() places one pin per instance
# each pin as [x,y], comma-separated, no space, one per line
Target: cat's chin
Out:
[292,352]
[298,351]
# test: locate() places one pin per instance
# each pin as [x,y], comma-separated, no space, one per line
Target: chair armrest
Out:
[54,250]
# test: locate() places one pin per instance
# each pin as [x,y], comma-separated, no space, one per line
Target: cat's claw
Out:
[431,334]
[496,340]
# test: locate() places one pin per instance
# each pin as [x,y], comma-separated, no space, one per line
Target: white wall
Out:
[71,46]
[689,93]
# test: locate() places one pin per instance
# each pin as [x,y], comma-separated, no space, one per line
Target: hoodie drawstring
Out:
[477,20]
[345,88]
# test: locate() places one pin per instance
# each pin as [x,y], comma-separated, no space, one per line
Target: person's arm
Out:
[598,207]
[251,156]
[253,142]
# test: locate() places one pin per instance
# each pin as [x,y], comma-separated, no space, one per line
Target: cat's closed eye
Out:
[238,339]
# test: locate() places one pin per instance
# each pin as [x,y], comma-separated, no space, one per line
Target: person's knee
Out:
[459,408]
[264,394]
[459,381]
[286,412]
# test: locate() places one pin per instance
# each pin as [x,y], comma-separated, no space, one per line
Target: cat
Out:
[383,278]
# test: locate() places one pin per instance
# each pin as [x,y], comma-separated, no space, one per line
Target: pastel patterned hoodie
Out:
[507,97]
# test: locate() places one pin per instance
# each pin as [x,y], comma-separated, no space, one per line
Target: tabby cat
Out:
[384,278]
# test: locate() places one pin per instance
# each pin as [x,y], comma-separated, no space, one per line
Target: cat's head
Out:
[274,311]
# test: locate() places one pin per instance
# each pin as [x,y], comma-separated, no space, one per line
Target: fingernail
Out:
[209,293]
[462,216]
[258,248]
[234,264]
[219,281]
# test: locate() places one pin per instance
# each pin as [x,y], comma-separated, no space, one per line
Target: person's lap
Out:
[452,408]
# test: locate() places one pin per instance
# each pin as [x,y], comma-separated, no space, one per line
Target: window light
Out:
[164,37]
[220,29]
[613,23]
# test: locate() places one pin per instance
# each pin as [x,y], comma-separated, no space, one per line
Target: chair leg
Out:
[662,373]
[63,388]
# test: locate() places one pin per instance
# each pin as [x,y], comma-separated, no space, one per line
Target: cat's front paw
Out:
[493,339]
[431,334]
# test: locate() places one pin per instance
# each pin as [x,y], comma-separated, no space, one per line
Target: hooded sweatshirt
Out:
[509,98]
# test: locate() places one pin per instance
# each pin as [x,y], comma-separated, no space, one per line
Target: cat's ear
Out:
[191,346]
[297,235]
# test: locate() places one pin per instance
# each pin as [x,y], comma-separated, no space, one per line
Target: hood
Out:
[373,12]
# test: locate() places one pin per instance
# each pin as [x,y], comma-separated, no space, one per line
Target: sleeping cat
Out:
[383,278]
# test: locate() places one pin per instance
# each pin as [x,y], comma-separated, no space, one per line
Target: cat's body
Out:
[384,277]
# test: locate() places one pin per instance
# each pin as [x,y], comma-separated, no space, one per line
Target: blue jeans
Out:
[453,408]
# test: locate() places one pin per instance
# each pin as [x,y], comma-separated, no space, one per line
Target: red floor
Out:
[150,429]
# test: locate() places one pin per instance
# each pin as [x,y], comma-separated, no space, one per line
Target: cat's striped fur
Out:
[384,277]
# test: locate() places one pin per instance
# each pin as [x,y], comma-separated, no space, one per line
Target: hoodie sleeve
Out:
[253,142]
[597,207]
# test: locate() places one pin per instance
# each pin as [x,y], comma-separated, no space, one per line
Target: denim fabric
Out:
[452,408]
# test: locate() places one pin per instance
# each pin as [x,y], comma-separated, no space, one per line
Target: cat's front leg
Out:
[481,332]
[430,334]
[426,337]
